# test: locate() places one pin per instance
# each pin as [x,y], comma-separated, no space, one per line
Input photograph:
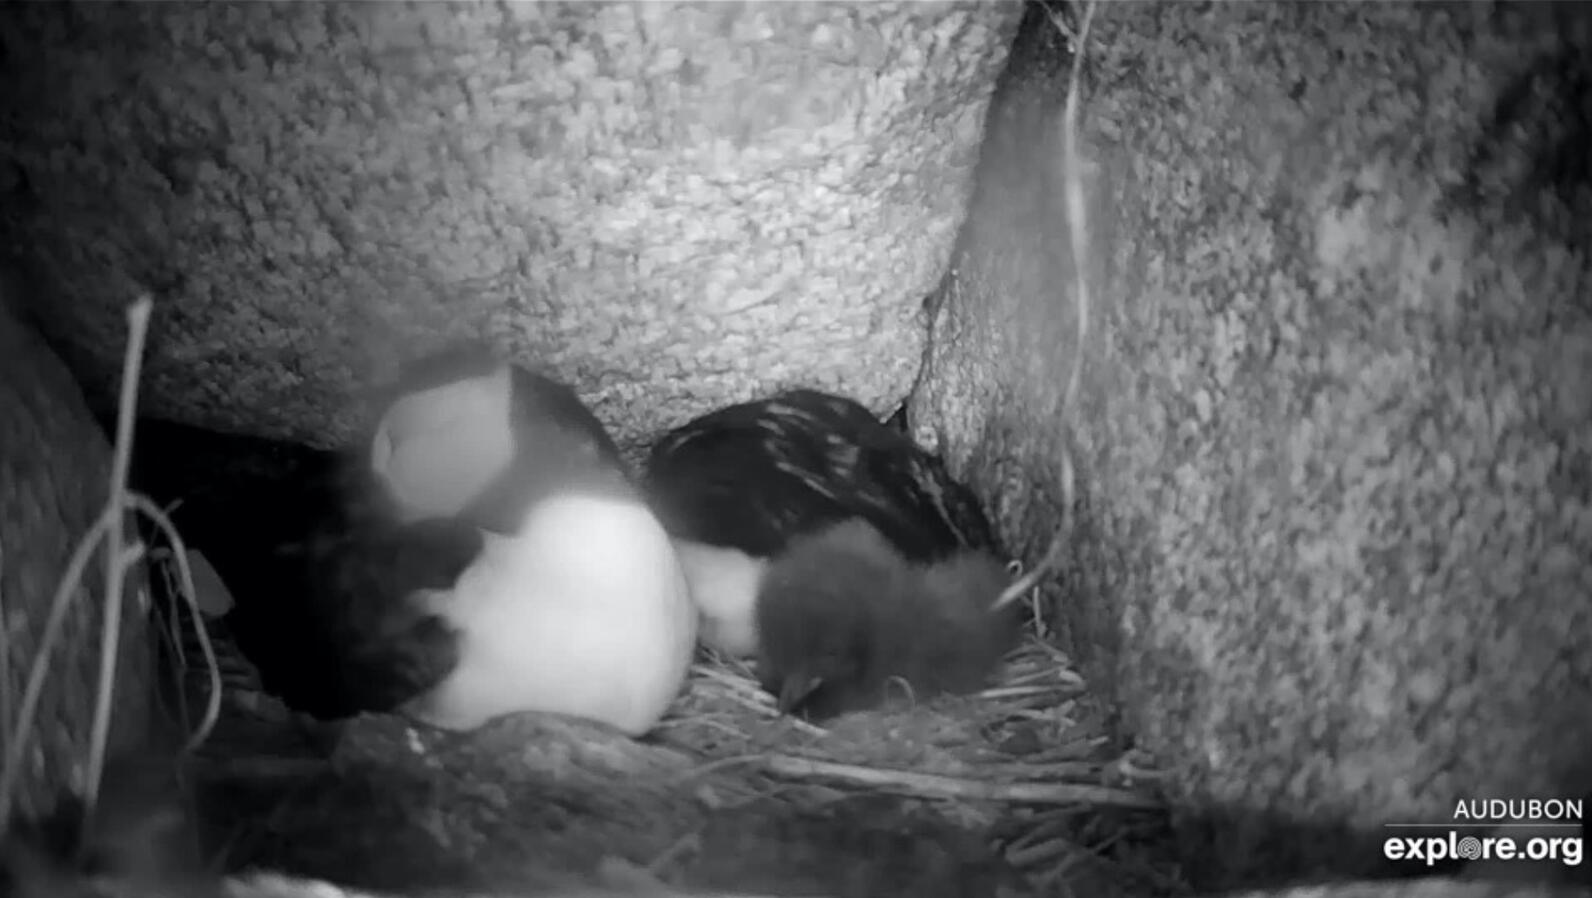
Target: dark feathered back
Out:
[755,475]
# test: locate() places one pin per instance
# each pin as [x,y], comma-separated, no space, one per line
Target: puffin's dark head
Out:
[443,433]
[463,432]
[819,611]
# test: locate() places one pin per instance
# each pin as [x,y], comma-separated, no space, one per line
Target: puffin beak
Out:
[381,451]
[795,690]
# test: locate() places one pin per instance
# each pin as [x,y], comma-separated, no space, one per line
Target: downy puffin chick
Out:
[576,603]
[848,622]
[735,486]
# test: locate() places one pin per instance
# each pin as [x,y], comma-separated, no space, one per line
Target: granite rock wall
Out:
[1334,427]
[672,205]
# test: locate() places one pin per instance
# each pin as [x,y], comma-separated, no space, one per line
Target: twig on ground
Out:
[930,785]
[1053,769]
[744,693]
[716,765]
[1013,693]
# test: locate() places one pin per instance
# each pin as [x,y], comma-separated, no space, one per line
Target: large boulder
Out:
[1334,426]
[54,476]
[673,205]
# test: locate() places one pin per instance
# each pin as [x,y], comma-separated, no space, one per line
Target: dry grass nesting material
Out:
[1027,760]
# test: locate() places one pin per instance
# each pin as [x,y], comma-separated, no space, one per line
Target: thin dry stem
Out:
[743,693]
[115,564]
[189,593]
[171,624]
[1076,211]
[1078,230]
[111,519]
[177,576]
[33,689]
[929,785]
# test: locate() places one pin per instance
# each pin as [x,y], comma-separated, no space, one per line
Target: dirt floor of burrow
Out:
[1017,791]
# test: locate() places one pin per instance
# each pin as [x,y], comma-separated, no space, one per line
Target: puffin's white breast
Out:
[585,611]
[724,583]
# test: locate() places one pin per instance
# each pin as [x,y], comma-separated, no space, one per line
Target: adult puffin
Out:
[565,592]
[736,486]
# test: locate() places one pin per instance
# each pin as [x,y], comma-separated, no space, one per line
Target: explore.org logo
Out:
[1532,829]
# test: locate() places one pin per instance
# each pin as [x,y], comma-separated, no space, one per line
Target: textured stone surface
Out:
[1423,888]
[675,206]
[54,467]
[1334,433]
[267,886]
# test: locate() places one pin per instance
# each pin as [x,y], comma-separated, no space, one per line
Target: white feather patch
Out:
[436,450]
[724,583]
[585,612]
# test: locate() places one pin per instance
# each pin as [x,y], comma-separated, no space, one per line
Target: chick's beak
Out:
[796,690]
